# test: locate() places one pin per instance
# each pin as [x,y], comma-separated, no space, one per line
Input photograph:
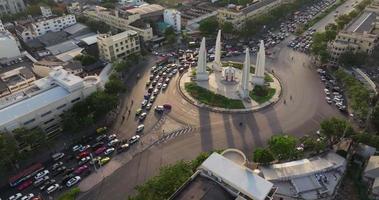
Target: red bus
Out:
[25,174]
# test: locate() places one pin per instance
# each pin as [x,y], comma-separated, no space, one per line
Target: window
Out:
[48,121]
[46,113]
[75,100]
[61,106]
[29,121]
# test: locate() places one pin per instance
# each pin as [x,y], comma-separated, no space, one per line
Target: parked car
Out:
[84,160]
[41,174]
[84,148]
[111,137]
[142,116]
[73,181]
[140,128]
[57,156]
[56,165]
[46,184]
[134,139]
[82,155]
[113,142]
[59,170]
[38,182]
[109,151]
[104,161]
[76,147]
[100,150]
[100,137]
[24,185]
[97,145]
[139,111]
[52,188]
[167,106]
[28,196]
[159,109]
[122,148]
[81,169]
[15,197]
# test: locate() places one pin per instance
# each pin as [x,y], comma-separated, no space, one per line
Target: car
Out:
[104,161]
[113,142]
[25,185]
[109,151]
[164,86]
[56,165]
[68,171]
[159,85]
[28,196]
[59,170]
[76,147]
[144,103]
[167,80]
[159,109]
[138,111]
[134,139]
[73,181]
[148,83]
[111,137]
[41,174]
[100,150]
[156,91]
[140,128]
[148,106]
[52,188]
[81,169]
[152,99]
[38,182]
[97,145]
[150,89]
[57,156]
[84,160]
[46,184]
[123,148]
[84,148]
[100,137]
[142,116]
[167,106]
[15,197]
[82,155]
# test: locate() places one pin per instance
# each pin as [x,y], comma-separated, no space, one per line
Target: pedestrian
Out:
[290,97]
[284,101]
[123,117]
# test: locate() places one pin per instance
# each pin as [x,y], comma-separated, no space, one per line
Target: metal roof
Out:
[363,23]
[241,178]
[62,47]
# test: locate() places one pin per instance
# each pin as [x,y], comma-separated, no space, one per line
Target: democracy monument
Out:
[232,80]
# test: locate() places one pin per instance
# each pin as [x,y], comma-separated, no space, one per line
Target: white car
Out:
[41,174]
[159,85]
[156,91]
[85,147]
[140,128]
[76,147]
[73,181]
[164,86]
[15,197]
[109,151]
[57,156]
[40,181]
[28,196]
[52,188]
[84,160]
[134,139]
[113,142]
[56,165]
[148,106]
[111,137]
[144,103]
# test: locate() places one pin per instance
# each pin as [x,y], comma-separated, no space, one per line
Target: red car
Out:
[100,150]
[82,155]
[81,169]
[167,106]
[24,185]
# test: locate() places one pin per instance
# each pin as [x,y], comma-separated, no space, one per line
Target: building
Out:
[132,2]
[147,11]
[2,29]
[173,18]
[225,177]
[46,11]
[118,46]
[40,26]
[17,79]
[371,176]
[312,178]
[360,35]
[43,67]
[237,15]
[120,20]
[11,6]
[42,104]
[8,42]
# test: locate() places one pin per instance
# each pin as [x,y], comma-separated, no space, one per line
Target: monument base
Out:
[258,80]
[202,76]
[244,93]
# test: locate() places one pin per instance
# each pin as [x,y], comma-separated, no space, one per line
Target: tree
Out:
[114,86]
[283,146]
[227,28]
[263,156]
[86,59]
[101,103]
[335,128]
[208,26]
[313,144]
[375,116]
[29,138]
[351,59]
[9,153]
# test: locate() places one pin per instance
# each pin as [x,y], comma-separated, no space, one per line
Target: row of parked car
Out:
[334,94]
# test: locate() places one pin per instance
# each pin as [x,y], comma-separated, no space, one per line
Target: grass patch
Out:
[212,99]
[236,65]
[70,195]
[261,94]
[268,78]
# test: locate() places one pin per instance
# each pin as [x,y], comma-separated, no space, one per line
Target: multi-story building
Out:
[9,46]
[11,6]
[42,104]
[237,15]
[2,29]
[118,46]
[173,18]
[46,11]
[360,35]
[43,25]
[116,19]
[371,176]
[18,79]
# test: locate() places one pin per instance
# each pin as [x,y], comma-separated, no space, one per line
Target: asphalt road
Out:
[344,8]
[299,116]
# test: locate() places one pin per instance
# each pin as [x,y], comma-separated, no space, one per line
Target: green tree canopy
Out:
[335,128]
[375,116]
[263,156]
[209,26]
[351,59]
[283,146]
[114,86]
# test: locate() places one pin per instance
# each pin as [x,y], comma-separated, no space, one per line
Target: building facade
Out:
[118,46]
[11,6]
[17,79]
[46,11]
[173,18]
[2,28]
[42,104]
[8,42]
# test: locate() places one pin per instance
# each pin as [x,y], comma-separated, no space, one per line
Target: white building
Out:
[11,6]
[8,46]
[43,25]
[173,18]
[46,11]
[2,29]
[132,2]
[119,46]
[42,104]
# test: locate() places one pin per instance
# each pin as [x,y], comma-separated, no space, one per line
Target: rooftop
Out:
[76,28]
[364,23]
[119,36]
[146,9]
[257,5]
[372,167]
[62,47]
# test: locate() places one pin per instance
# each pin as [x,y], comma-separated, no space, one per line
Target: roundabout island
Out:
[230,86]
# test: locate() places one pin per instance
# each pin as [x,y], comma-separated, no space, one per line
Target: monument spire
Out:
[260,65]
[201,72]
[245,75]
[217,60]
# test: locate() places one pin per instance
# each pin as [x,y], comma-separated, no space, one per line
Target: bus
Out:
[25,174]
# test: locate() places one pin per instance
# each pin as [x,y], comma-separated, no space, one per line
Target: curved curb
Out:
[223,110]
